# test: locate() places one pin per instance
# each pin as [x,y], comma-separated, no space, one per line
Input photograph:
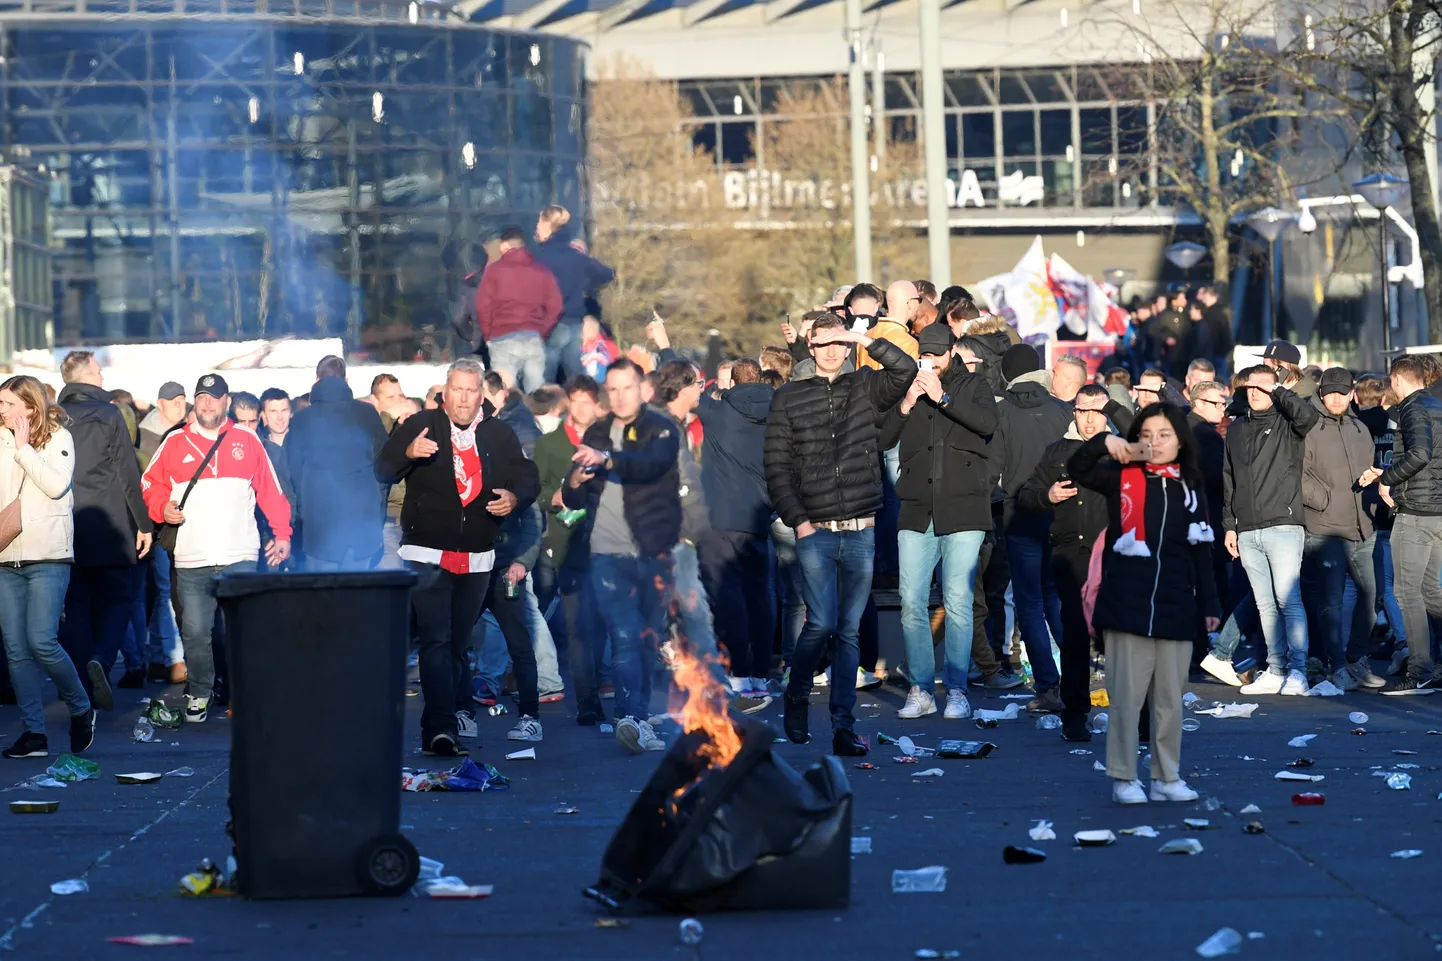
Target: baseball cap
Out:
[1283,351]
[935,339]
[1336,380]
[212,384]
[170,390]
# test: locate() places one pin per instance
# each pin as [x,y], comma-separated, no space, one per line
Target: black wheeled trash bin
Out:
[318,673]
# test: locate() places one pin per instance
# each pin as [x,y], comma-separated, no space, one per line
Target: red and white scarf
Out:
[467,463]
[1133,538]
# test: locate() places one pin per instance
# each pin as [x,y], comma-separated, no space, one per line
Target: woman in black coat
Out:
[1156,582]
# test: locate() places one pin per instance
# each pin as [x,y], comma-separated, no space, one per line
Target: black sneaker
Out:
[82,731]
[159,673]
[1412,684]
[29,744]
[1074,728]
[750,705]
[444,745]
[590,717]
[796,720]
[103,697]
[846,743]
[132,679]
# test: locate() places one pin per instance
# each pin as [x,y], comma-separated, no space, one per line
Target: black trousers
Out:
[736,570]
[513,617]
[447,606]
[1069,564]
[585,639]
[97,614]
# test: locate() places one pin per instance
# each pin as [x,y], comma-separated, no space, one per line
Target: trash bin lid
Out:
[245,583]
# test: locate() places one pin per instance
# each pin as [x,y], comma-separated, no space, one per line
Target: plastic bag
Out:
[68,767]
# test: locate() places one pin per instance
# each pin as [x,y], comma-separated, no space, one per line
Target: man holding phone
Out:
[1078,518]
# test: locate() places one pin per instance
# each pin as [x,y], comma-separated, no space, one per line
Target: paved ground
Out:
[1318,884]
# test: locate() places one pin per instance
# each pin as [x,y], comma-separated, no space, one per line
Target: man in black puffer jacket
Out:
[1413,483]
[823,471]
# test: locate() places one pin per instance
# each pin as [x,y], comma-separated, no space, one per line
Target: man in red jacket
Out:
[517,304]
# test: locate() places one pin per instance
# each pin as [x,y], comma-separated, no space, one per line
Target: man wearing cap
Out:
[168,411]
[1339,535]
[943,426]
[216,531]
[1286,360]
[1030,419]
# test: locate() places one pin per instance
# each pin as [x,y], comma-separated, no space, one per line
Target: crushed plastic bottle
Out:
[496,710]
[1191,724]
[1399,782]
[692,932]
[1357,717]
[1098,723]
[1190,700]
[144,731]
[1048,722]
[1225,941]
[927,880]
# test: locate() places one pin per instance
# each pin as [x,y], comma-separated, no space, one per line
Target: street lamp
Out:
[1382,191]
[1269,224]
[1184,254]
[1118,276]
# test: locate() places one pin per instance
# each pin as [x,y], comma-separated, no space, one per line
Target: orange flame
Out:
[705,704]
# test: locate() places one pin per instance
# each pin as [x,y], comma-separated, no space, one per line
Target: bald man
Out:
[901,304]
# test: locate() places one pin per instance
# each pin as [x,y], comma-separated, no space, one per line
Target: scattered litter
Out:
[466,776]
[1200,824]
[1301,762]
[430,869]
[612,923]
[1181,846]
[1296,776]
[883,738]
[1248,757]
[1309,799]
[143,731]
[1231,710]
[1357,717]
[496,710]
[1098,723]
[1042,831]
[1079,751]
[910,749]
[691,931]
[1094,839]
[1251,809]
[1190,700]
[606,728]
[1325,689]
[1225,941]
[1254,827]
[1014,697]
[926,953]
[1141,831]
[1098,766]
[452,887]
[1300,740]
[1407,855]
[1212,804]
[905,760]
[927,880]
[72,886]
[151,940]
[1012,712]
[68,767]
[1100,699]
[1434,732]
[1407,767]
[140,777]
[1191,724]
[1015,855]
[41,780]
[34,807]
[208,880]
[1255,935]
[929,772]
[1404,752]
[861,844]
[865,766]
[1399,782]
[161,716]
[529,754]
[1048,722]
[181,772]
[567,810]
[986,722]
[964,749]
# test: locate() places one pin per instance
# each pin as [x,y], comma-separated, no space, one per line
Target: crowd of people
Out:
[1275,528]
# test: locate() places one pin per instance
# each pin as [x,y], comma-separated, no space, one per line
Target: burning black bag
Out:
[752,835]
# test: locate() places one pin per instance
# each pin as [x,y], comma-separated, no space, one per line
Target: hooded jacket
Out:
[946,478]
[1415,475]
[1338,450]
[823,454]
[516,294]
[1077,520]
[1030,419]
[1161,587]
[577,275]
[1262,479]
[733,461]
[331,454]
[109,509]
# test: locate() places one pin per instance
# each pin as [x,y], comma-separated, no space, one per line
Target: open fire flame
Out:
[699,703]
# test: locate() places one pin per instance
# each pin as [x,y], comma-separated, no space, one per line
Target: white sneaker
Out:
[821,680]
[1361,672]
[526,729]
[466,725]
[1343,679]
[195,709]
[918,704]
[1128,792]
[628,735]
[1221,670]
[957,706]
[1172,791]
[1267,683]
[866,680]
[649,740]
[1294,686]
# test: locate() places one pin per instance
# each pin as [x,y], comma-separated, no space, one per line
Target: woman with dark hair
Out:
[1156,582]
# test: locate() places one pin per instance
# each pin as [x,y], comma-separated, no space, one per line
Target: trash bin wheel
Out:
[388,865]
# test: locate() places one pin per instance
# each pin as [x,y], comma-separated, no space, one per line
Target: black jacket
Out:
[946,478]
[108,507]
[733,457]
[331,452]
[576,274]
[1378,420]
[1031,418]
[646,467]
[823,456]
[1262,479]
[1415,476]
[1077,520]
[432,515]
[1212,460]
[1164,591]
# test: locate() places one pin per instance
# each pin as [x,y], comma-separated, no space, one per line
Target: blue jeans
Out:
[919,552]
[563,351]
[693,610]
[1382,566]
[1038,606]
[522,355]
[164,644]
[31,598]
[1272,558]
[197,615]
[836,584]
[788,579]
[494,657]
[634,597]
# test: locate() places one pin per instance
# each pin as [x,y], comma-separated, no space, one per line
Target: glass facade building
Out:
[238,168]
